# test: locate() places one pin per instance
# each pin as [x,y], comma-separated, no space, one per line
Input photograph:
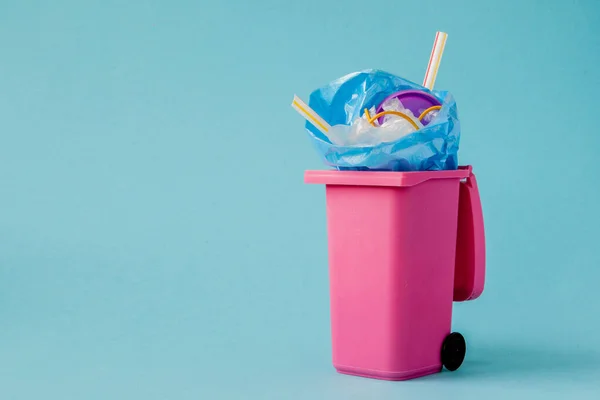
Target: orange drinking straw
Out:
[398,113]
[430,109]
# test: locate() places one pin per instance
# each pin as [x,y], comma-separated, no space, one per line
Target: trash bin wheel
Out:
[454,349]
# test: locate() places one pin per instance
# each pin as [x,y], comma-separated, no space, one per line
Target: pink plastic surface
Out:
[469,277]
[392,240]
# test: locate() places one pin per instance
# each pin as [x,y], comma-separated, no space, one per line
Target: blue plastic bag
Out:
[431,148]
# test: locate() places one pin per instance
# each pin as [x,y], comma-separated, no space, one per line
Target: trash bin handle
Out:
[469,276]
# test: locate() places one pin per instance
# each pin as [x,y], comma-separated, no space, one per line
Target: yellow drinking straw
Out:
[398,113]
[430,109]
[310,114]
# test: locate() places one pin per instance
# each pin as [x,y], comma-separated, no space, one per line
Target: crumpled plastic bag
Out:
[356,145]
[363,133]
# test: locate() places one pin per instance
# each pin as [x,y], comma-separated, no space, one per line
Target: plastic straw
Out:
[390,112]
[310,114]
[430,109]
[435,59]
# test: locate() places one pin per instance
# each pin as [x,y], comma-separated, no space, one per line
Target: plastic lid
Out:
[416,101]
[380,178]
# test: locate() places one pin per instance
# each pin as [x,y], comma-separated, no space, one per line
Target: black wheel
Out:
[454,349]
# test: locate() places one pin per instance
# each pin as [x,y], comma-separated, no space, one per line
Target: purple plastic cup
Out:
[414,100]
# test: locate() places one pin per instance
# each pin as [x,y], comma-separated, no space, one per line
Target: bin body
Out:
[392,248]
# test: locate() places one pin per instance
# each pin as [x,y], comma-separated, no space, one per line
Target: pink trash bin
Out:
[402,247]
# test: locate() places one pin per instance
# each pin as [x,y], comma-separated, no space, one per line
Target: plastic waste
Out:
[368,132]
[393,144]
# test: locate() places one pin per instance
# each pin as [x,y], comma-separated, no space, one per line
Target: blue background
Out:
[156,237]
